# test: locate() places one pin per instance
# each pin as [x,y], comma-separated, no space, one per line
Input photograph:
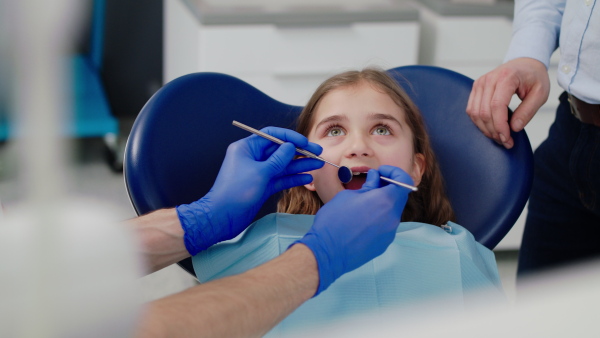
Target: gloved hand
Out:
[253,169]
[357,225]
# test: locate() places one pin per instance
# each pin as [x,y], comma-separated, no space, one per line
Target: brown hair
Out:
[429,204]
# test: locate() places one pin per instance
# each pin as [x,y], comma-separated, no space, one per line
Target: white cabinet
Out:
[470,45]
[286,61]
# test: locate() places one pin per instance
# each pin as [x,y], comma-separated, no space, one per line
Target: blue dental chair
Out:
[179,139]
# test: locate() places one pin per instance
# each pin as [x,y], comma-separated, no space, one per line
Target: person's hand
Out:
[491,94]
[253,169]
[357,225]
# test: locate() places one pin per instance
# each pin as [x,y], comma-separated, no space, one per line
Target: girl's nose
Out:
[359,147]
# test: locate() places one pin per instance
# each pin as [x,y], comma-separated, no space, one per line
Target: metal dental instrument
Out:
[407,186]
[344,173]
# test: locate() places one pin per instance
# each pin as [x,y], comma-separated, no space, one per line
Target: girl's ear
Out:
[419,166]
[310,186]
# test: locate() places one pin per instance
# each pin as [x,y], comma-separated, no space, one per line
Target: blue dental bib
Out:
[425,263]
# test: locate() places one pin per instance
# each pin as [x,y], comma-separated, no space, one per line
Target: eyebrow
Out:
[379,116]
[332,118]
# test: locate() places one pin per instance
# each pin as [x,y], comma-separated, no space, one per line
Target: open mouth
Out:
[358,179]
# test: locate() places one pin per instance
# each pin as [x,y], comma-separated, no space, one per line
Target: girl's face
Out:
[360,127]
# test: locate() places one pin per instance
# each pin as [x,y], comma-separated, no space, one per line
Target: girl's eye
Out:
[335,132]
[381,130]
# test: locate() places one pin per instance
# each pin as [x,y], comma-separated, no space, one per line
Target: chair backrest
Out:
[179,139]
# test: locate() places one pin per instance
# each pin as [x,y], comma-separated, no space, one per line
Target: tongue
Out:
[357,182]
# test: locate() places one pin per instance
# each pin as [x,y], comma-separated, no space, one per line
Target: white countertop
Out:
[471,7]
[301,12]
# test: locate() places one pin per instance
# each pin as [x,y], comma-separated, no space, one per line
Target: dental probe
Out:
[344,173]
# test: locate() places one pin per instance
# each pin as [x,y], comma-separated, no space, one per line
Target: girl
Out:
[363,120]
[369,102]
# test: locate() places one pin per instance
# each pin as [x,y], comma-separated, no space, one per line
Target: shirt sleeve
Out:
[536,29]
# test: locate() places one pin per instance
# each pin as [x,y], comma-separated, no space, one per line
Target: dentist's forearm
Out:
[245,305]
[161,238]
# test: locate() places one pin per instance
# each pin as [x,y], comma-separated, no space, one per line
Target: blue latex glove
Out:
[253,169]
[357,225]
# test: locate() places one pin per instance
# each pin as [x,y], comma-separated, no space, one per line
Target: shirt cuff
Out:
[532,42]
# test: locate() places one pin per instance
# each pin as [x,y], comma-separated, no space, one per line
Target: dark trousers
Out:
[563,220]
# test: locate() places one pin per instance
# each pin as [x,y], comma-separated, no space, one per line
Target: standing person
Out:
[563,221]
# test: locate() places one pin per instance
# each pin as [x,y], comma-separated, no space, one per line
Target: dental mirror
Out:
[344,174]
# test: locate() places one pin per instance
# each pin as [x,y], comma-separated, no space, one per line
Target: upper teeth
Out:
[356,173]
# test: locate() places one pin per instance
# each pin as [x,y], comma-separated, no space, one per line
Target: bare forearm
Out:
[248,304]
[161,238]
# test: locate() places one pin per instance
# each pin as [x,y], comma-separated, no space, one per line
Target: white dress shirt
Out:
[540,26]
